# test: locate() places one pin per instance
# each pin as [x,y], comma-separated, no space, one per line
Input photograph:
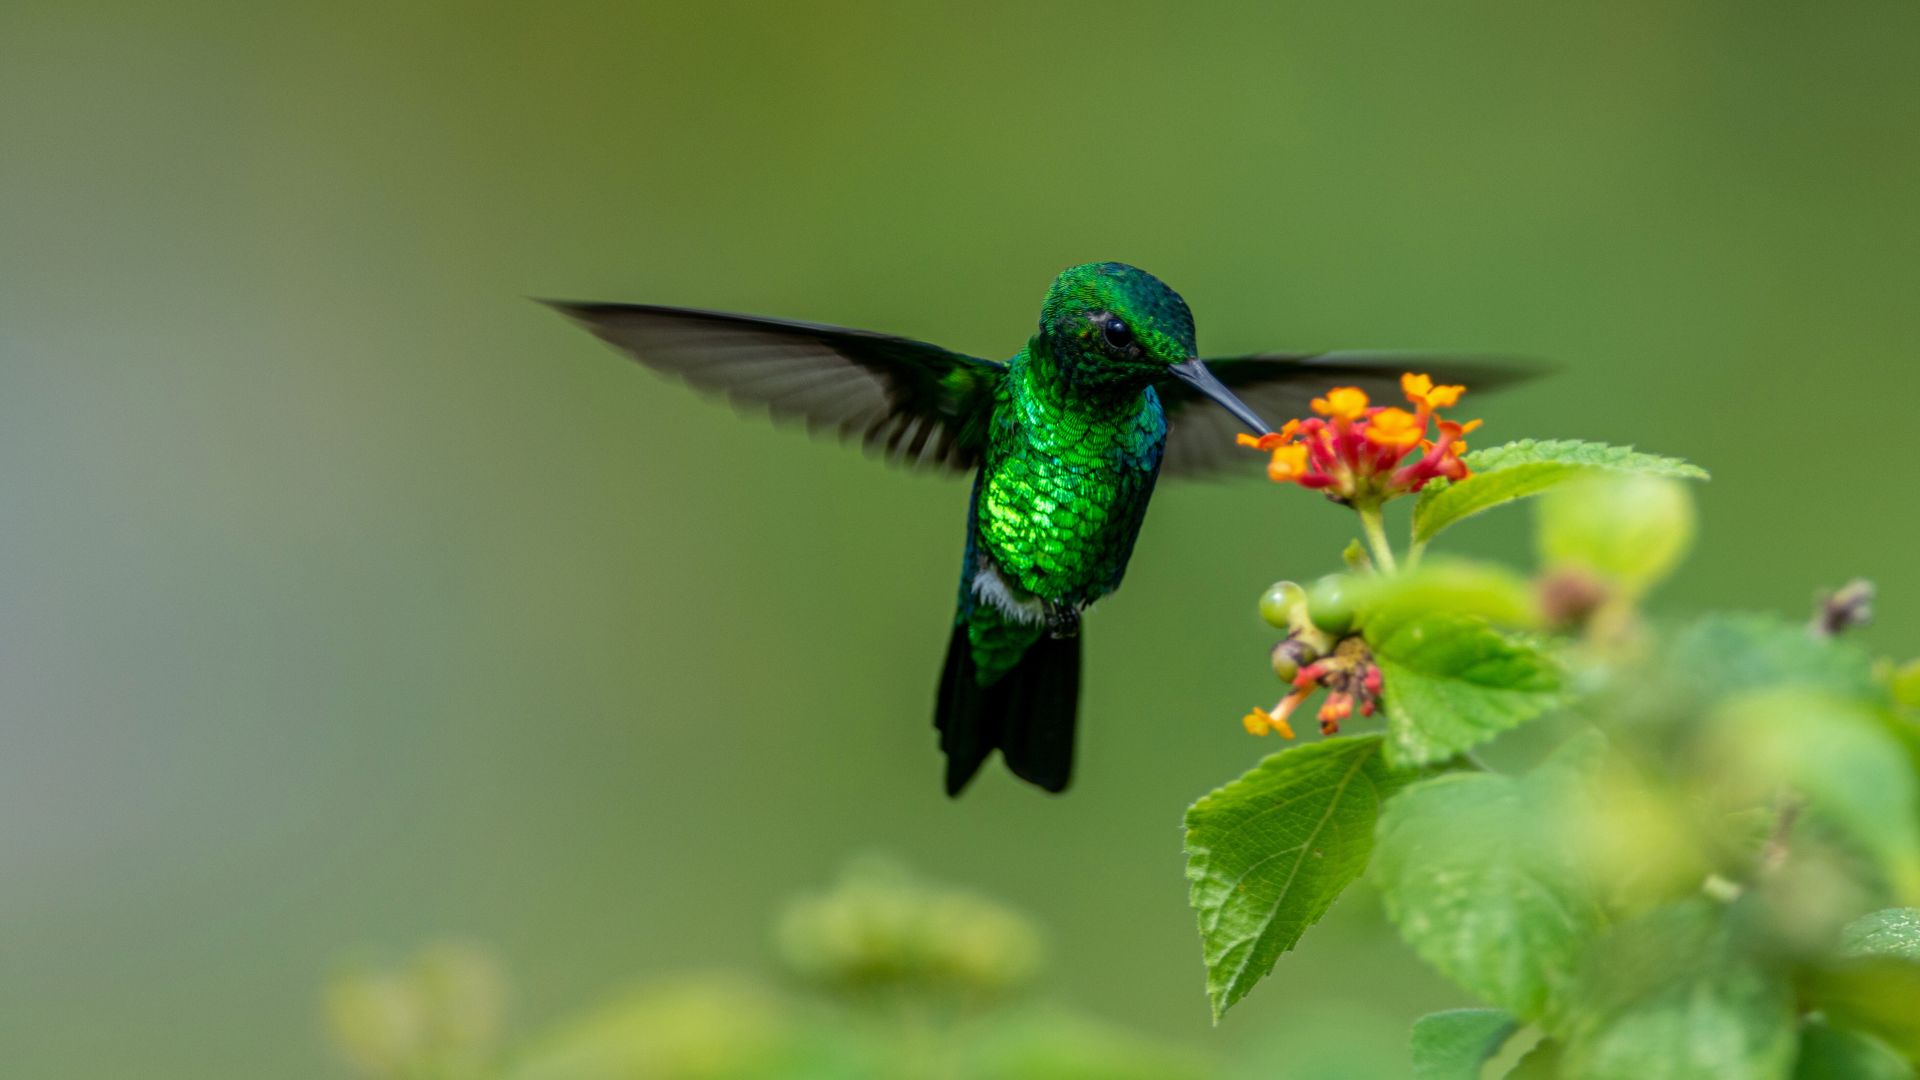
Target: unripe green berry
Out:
[1284,664]
[1330,605]
[1278,603]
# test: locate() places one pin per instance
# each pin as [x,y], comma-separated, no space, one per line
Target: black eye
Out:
[1117,334]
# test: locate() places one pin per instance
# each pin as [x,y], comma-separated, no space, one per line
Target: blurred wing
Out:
[914,403]
[1279,387]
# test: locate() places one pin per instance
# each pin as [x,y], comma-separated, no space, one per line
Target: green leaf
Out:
[1628,530]
[1876,995]
[1904,681]
[1460,586]
[1840,756]
[1268,853]
[1743,652]
[1540,1063]
[1502,474]
[1830,1053]
[1670,997]
[1476,874]
[1450,681]
[1893,932]
[1453,1045]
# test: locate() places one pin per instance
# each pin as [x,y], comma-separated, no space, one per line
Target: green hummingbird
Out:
[1064,441]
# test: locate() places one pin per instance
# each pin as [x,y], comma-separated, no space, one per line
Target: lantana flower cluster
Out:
[1364,454]
[1361,455]
[1348,673]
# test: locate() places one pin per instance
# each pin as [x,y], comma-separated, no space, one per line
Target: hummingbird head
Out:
[1110,326]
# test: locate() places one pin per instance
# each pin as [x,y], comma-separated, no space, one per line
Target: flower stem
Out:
[1377,537]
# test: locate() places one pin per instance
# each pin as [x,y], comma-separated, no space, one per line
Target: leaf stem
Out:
[1376,532]
[1787,807]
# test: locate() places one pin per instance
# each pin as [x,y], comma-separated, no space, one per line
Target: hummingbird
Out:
[1064,441]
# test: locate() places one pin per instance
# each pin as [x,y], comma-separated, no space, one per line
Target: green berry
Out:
[1285,664]
[1278,603]
[1330,604]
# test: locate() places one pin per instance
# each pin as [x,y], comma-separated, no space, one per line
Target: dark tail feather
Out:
[1028,714]
[969,724]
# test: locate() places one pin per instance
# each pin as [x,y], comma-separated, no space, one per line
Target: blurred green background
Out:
[348,600]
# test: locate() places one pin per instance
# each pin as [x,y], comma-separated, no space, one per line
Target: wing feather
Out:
[908,401]
[1279,387]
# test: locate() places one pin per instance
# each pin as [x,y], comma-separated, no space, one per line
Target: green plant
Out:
[882,975]
[1702,861]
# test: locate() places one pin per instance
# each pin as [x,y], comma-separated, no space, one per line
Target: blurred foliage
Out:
[1709,868]
[438,1016]
[883,976]
[880,931]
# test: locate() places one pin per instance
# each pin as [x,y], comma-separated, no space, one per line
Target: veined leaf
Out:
[1893,932]
[1450,681]
[1475,872]
[1670,997]
[1502,474]
[1452,1045]
[1877,987]
[1268,853]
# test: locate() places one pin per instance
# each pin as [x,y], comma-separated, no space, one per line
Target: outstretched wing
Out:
[1279,386]
[914,403]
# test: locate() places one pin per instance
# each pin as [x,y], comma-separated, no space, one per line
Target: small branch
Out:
[1774,855]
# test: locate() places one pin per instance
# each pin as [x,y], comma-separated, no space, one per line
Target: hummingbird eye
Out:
[1117,334]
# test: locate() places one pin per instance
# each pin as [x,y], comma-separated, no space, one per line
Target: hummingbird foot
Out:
[1063,620]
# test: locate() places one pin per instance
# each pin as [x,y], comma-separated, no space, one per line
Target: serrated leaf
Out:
[1268,853]
[1450,681]
[1830,1053]
[1502,474]
[1669,997]
[1893,932]
[1452,1045]
[1477,876]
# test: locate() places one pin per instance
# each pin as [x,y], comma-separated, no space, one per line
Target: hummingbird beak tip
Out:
[1195,374]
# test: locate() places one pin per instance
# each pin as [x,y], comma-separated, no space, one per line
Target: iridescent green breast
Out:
[1065,486]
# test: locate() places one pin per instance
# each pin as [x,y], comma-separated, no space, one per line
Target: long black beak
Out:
[1195,374]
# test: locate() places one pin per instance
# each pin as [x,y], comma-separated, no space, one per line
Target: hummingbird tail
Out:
[1027,714]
